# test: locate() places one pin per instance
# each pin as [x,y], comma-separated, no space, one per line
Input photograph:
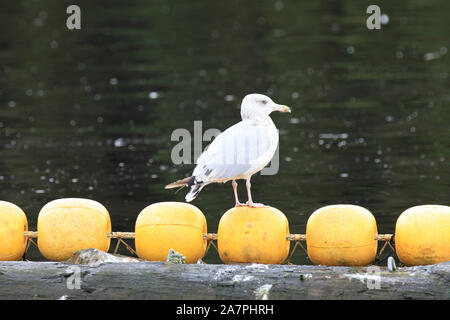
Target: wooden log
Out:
[111,278]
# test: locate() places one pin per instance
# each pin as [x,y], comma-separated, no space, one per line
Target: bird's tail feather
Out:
[195,190]
[196,187]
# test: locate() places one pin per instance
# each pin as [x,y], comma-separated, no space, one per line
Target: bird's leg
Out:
[238,204]
[250,202]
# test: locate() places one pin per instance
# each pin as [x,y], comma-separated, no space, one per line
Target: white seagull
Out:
[239,152]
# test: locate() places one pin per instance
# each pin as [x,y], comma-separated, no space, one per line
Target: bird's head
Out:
[258,105]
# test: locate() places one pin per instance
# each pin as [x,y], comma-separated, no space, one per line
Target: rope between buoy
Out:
[210,237]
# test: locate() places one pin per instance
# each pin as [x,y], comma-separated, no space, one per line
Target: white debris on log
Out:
[262,293]
[94,258]
[240,277]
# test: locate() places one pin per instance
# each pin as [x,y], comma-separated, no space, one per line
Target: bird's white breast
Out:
[239,152]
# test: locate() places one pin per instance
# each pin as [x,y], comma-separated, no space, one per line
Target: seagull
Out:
[239,152]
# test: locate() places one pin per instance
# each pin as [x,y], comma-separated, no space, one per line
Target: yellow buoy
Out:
[422,235]
[341,235]
[13,223]
[253,235]
[170,225]
[68,225]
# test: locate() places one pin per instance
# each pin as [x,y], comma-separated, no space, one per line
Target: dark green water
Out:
[89,113]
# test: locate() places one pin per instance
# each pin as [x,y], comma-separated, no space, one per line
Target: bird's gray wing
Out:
[239,150]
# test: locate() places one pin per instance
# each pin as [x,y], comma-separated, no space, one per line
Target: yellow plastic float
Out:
[13,223]
[68,225]
[422,235]
[341,235]
[253,235]
[170,225]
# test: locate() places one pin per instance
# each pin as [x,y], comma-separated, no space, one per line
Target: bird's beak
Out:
[282,108]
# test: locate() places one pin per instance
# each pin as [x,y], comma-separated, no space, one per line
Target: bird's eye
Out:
[264,101]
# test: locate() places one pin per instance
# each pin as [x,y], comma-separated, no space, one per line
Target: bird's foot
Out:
[256,205]
[238,204]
